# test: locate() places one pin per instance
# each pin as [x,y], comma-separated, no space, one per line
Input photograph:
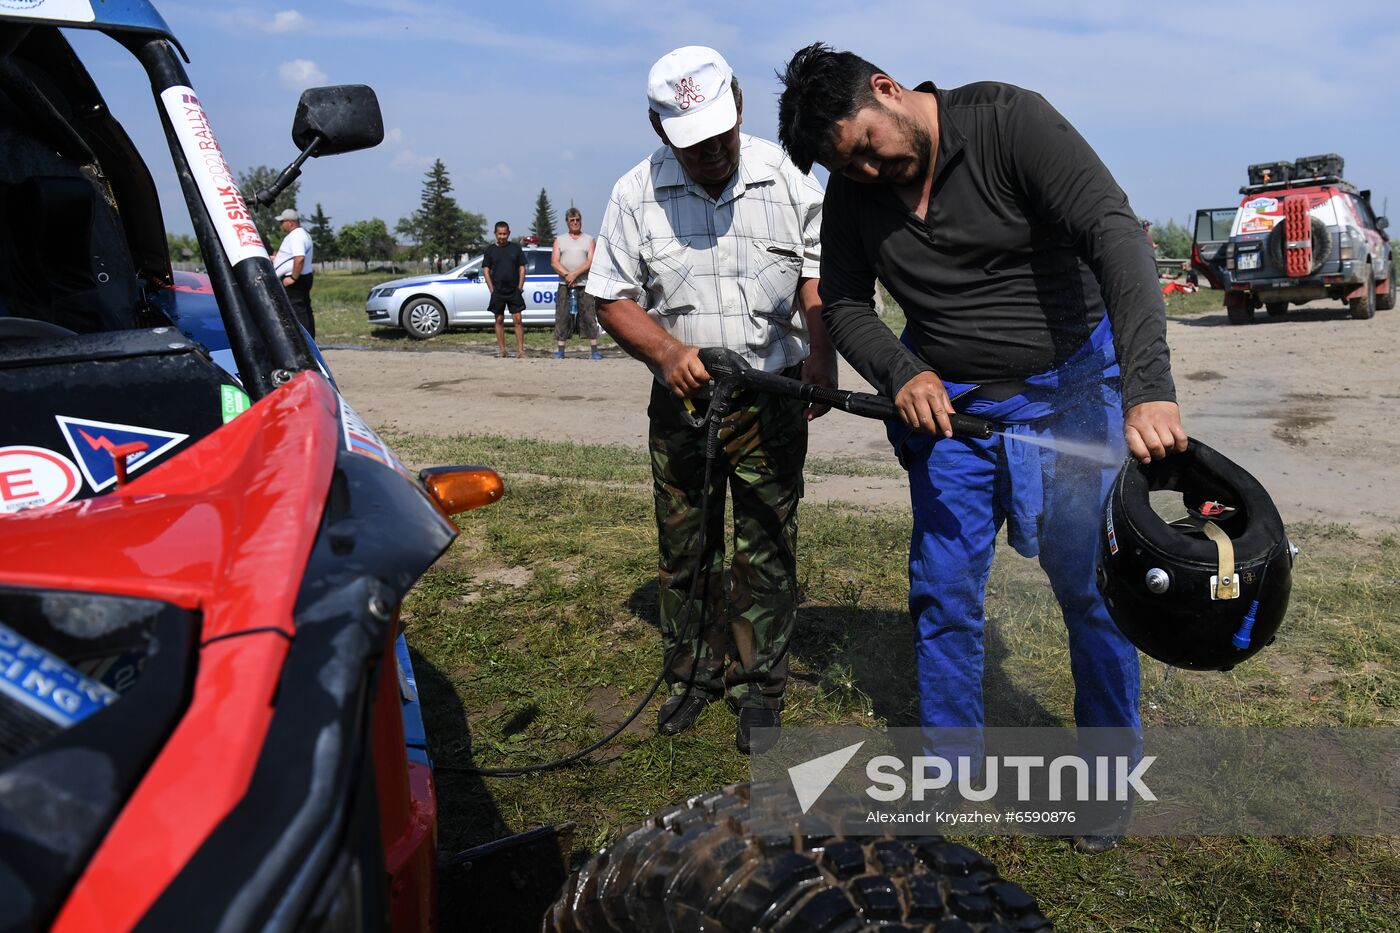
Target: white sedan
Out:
[426,305]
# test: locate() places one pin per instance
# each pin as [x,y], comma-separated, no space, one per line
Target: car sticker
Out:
[45,684]
[33,477]
[361,439]
[1112,538]
[92,443]
[229,212]
[233,401]
[68,11]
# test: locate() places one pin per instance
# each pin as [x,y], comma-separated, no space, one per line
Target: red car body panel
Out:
[407,814]
[221,529]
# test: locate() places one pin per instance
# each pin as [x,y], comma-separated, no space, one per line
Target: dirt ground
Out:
[1303,402]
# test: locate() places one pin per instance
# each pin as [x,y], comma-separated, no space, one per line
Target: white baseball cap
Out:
[289,214]
[689,89]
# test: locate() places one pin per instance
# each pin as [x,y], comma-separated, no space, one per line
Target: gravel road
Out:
[1304,402]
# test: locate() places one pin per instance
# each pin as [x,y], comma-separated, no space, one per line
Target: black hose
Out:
[730,373]
[572,757]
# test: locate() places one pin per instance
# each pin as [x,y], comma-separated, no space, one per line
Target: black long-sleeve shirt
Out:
[1026,240]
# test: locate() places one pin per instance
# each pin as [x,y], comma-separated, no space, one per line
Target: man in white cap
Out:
[293,265]
[714,241]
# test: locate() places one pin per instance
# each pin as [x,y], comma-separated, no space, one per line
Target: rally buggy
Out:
[208,718]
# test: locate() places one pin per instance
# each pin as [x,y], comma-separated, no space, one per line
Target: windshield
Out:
[470,267]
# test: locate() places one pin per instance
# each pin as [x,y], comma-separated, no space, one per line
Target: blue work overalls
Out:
[963,489]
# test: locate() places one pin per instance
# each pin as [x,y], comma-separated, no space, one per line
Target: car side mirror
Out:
[1382,223]
[344,118]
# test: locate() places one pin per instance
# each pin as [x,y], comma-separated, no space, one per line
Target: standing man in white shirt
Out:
[714,241]
[574,308]
[293,265]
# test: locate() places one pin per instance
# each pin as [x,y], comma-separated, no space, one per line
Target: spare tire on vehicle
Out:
[710,865]
[1275,247]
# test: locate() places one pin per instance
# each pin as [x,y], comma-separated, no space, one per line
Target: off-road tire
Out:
[709,865]
[1240,314]
[1386,302]
[423,317]
[1275,253]
[1276,308]
[1364,308]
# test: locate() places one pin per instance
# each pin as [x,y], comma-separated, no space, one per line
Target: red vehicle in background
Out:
[1302,233]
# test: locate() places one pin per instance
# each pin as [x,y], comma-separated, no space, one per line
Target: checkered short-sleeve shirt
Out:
[716,272]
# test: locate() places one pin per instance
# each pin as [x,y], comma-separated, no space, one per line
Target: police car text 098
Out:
[426,305]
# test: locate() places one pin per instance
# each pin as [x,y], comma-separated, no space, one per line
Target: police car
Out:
[425,305]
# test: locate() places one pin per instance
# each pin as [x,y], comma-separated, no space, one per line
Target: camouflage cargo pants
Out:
[741,650]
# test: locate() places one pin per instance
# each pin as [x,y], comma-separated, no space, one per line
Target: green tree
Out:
[439,227]
[1173,240]
[183,247]
[475,225]
[264,215]
[407,232]
[543,227]
[365,240]
[323,242]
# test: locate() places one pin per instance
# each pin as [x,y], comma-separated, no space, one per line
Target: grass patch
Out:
[536,633]
[1203,301]
[850,466]
[537,458]
[339,302]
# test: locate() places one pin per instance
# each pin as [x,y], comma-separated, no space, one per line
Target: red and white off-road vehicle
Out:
[1301,233]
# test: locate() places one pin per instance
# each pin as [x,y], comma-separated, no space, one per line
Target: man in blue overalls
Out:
[1031,300]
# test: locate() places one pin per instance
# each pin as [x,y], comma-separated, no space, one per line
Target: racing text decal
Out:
[31,477]
[216,182]
[361,439]
[67,11]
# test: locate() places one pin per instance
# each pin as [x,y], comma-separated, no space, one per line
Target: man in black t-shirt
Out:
[503,268]
[1031,300]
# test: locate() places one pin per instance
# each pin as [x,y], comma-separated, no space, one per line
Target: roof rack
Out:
[1323,169]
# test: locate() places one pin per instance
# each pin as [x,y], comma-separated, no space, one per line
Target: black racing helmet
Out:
[1206,591]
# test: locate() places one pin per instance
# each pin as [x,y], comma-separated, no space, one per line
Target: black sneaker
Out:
[678,713]
[756,717]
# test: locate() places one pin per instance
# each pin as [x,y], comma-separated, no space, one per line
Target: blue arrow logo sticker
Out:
[92,443]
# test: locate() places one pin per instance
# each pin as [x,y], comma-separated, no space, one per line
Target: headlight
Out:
[383,292]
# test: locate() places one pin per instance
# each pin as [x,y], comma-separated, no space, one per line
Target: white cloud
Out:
[300,73]
[287,21]
[407,158]
[393,136]
[498,172]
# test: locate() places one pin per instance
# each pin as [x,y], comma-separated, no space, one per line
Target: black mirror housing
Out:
[1382,222]
[346,117]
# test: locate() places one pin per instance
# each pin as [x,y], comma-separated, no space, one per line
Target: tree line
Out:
[439,230]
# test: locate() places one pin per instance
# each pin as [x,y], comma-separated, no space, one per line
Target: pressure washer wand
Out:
[729,369]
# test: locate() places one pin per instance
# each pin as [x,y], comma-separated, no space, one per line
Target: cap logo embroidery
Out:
[687,93]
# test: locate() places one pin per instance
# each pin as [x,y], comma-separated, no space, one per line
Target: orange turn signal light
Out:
[458,489]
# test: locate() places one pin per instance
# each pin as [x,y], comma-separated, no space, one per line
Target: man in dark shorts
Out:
[503,268]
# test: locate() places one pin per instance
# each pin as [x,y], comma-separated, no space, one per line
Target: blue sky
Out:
[1177,98]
